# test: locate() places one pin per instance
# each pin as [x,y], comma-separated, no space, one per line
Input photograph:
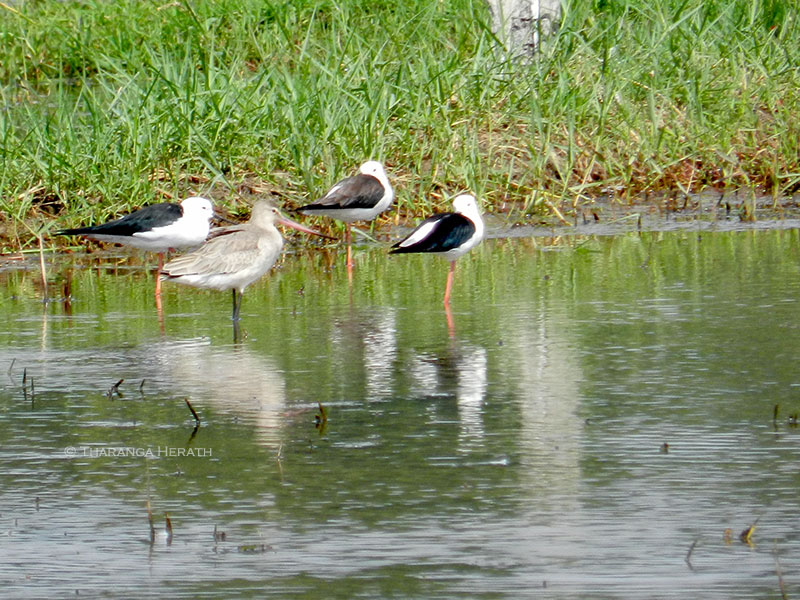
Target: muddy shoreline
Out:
[706,212]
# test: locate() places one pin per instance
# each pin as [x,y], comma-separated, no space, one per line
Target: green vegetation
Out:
[106,106]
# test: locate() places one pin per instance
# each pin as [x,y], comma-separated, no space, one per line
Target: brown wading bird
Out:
[156,228]
[235,256]
[359,198]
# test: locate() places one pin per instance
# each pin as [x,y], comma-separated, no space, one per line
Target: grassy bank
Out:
[106,106]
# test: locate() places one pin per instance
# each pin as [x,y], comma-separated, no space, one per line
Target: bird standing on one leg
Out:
[156,228]
[359,198]
[451,234]
[235,256]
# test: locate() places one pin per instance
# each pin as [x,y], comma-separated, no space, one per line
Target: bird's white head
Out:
[197,207]
[374,168]
[466,205]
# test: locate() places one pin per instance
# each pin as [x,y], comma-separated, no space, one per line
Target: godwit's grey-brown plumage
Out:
[235,256]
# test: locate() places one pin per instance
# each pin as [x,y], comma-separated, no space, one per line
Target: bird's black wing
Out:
[144,219]
[447,231]
[359,191]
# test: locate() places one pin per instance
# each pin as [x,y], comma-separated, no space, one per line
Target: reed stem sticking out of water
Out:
[194,412]
[748,533]
[168,527]
[25,383]
[321,419]
[150,521]
[688,558]
[114,389]
[43,269]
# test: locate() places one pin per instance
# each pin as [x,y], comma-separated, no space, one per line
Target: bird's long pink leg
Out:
[449,282]
[158,274]
[450,324]
[159,308]
[349,251]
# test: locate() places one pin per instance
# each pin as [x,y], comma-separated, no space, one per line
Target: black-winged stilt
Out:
[156,228]
[361,197]
[451,235]
[235,256]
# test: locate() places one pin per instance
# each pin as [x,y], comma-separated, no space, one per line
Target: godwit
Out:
[235,256]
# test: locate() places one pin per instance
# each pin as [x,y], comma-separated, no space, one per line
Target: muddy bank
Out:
[707,211]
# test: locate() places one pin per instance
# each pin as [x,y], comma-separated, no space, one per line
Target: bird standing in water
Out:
[156,228]
[359,198]
[235,256]
[450,234]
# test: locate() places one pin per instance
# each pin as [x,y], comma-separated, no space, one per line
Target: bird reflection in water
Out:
[461,369]
[367,341]
[228,380]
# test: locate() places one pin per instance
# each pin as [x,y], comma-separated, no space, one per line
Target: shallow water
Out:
[515,451]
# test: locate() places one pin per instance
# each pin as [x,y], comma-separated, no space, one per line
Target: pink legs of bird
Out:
[349,263]
[450,325]
[159,306]
[347,238]
[158,276]
[449,285]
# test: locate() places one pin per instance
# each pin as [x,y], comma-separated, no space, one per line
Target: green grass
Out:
[106,106]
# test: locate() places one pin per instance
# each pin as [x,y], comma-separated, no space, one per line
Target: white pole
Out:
[519,23]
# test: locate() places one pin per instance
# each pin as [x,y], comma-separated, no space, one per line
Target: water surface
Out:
[592,408]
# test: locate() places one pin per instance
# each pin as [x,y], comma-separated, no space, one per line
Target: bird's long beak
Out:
[295,225]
